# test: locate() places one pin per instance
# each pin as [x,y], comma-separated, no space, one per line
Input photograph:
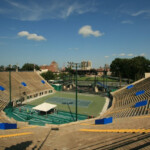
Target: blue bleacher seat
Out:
[99,83]
[23,83]
[142,103]
[104,120]
[140,92]
[4,126]
[43,81]
[2,88]
[129,87]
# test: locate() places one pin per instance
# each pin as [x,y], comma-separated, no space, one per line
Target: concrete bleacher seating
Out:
[129,130]
[34,87]
[125,99]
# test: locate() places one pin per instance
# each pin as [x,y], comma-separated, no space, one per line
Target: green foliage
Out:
[62,75]
[30,67]
[69,70]
[2,68]
[11,68]
[84,78]
[49,75]
[133,68]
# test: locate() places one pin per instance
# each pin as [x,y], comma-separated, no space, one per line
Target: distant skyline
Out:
[42,31]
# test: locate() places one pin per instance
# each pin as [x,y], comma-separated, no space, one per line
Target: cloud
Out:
[30,36]
[142,54]
[140,13]
[127,22]
[38,10]
[87,31]
[127,55]
[130,55]
[122,54]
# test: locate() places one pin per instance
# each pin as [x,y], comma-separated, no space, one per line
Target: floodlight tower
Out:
[9,88]
[76,65]
[118,69]
[105,70]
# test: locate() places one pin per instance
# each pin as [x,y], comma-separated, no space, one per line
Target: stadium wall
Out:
[147,75]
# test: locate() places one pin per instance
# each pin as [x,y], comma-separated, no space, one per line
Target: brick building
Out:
[52,67]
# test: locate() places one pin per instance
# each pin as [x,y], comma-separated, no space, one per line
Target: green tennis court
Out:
[88,104]
[62,100]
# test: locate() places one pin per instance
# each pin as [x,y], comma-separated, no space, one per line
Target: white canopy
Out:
[44,107]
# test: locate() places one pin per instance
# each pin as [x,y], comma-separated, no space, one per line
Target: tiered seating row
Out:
[125,100]
[33,89]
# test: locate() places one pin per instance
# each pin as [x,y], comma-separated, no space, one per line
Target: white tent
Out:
[44,107]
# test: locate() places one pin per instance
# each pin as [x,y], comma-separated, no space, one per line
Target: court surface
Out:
[70,101]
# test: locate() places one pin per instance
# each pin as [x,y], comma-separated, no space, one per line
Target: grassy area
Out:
[93,78]
[97,103]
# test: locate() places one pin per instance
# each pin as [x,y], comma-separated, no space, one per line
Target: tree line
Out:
[30,67]
[133,68]
[25,67]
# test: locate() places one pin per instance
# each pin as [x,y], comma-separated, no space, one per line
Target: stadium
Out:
[36,116]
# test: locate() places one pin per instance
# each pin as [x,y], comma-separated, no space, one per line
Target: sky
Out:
[42,31]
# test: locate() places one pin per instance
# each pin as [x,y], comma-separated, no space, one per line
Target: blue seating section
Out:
[23,83]
[2,88]
[43,81]
[102,84]
[140,92]
[142,103]
[4,126]
[130,86]
[104,120]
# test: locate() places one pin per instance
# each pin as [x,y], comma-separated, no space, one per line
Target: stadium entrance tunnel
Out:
[27,114]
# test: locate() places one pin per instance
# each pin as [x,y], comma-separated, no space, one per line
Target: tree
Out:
[139,66]
[116,66]
[69,70]
[48,75]
[2,68]
[10,68]
[62,75]
[30,67]
[133,68]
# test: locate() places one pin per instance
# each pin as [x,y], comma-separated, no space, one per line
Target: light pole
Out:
[76,65]
[118,68]
[10,87]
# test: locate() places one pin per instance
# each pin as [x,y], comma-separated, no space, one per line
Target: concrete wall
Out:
[147,75]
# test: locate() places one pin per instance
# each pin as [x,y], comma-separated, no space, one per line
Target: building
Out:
[52,67]
[101,70]
[86,65]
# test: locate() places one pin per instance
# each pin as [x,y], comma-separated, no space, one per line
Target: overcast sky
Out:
[40,31]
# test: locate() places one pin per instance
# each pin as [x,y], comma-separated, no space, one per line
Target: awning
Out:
[44,107]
